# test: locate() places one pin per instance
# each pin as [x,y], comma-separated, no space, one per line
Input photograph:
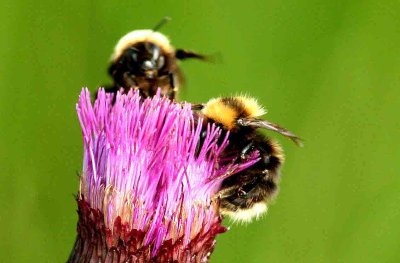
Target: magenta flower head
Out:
[148,189]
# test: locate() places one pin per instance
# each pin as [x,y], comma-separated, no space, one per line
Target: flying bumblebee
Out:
[245,195]
[145,60]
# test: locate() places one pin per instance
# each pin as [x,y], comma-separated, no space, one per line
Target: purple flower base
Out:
[97,243]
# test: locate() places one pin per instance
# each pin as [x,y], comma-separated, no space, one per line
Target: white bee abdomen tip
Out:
[246,215]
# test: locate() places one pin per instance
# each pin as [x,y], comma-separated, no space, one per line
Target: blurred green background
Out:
[327,70]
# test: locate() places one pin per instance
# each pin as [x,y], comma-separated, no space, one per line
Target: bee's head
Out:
[142,59]
[141,53]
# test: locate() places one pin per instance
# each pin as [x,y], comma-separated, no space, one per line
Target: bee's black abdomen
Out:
[258,183]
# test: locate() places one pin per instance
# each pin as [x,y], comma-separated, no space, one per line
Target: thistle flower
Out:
[148,189]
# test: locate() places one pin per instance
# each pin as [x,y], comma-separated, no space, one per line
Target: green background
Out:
[327,70]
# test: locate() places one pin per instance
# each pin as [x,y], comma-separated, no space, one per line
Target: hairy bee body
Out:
[245,195]
[145,60]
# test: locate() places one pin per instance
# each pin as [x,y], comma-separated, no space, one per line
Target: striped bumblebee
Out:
[245,195]
[145,60]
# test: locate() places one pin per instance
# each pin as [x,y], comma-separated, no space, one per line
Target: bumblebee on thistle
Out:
[245,195]
[145,60]
[157,175]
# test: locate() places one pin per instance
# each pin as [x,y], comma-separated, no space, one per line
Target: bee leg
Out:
[244,153]
[241,192]
[129,80]
[173,89]
[171,80]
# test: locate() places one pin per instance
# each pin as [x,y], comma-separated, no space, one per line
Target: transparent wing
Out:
[257,123]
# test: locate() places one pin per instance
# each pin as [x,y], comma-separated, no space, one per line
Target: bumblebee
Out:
[245,195]
[145,60]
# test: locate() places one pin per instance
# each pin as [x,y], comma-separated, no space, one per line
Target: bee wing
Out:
[257,123]
[197,106]
[182,54]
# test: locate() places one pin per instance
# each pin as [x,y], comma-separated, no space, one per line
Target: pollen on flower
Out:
[148,186]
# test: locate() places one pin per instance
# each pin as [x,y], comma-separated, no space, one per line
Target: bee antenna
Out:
[162,22]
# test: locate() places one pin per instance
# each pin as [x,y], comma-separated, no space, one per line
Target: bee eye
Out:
[132,54]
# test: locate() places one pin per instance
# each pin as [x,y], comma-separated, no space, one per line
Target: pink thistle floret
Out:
[148,185]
